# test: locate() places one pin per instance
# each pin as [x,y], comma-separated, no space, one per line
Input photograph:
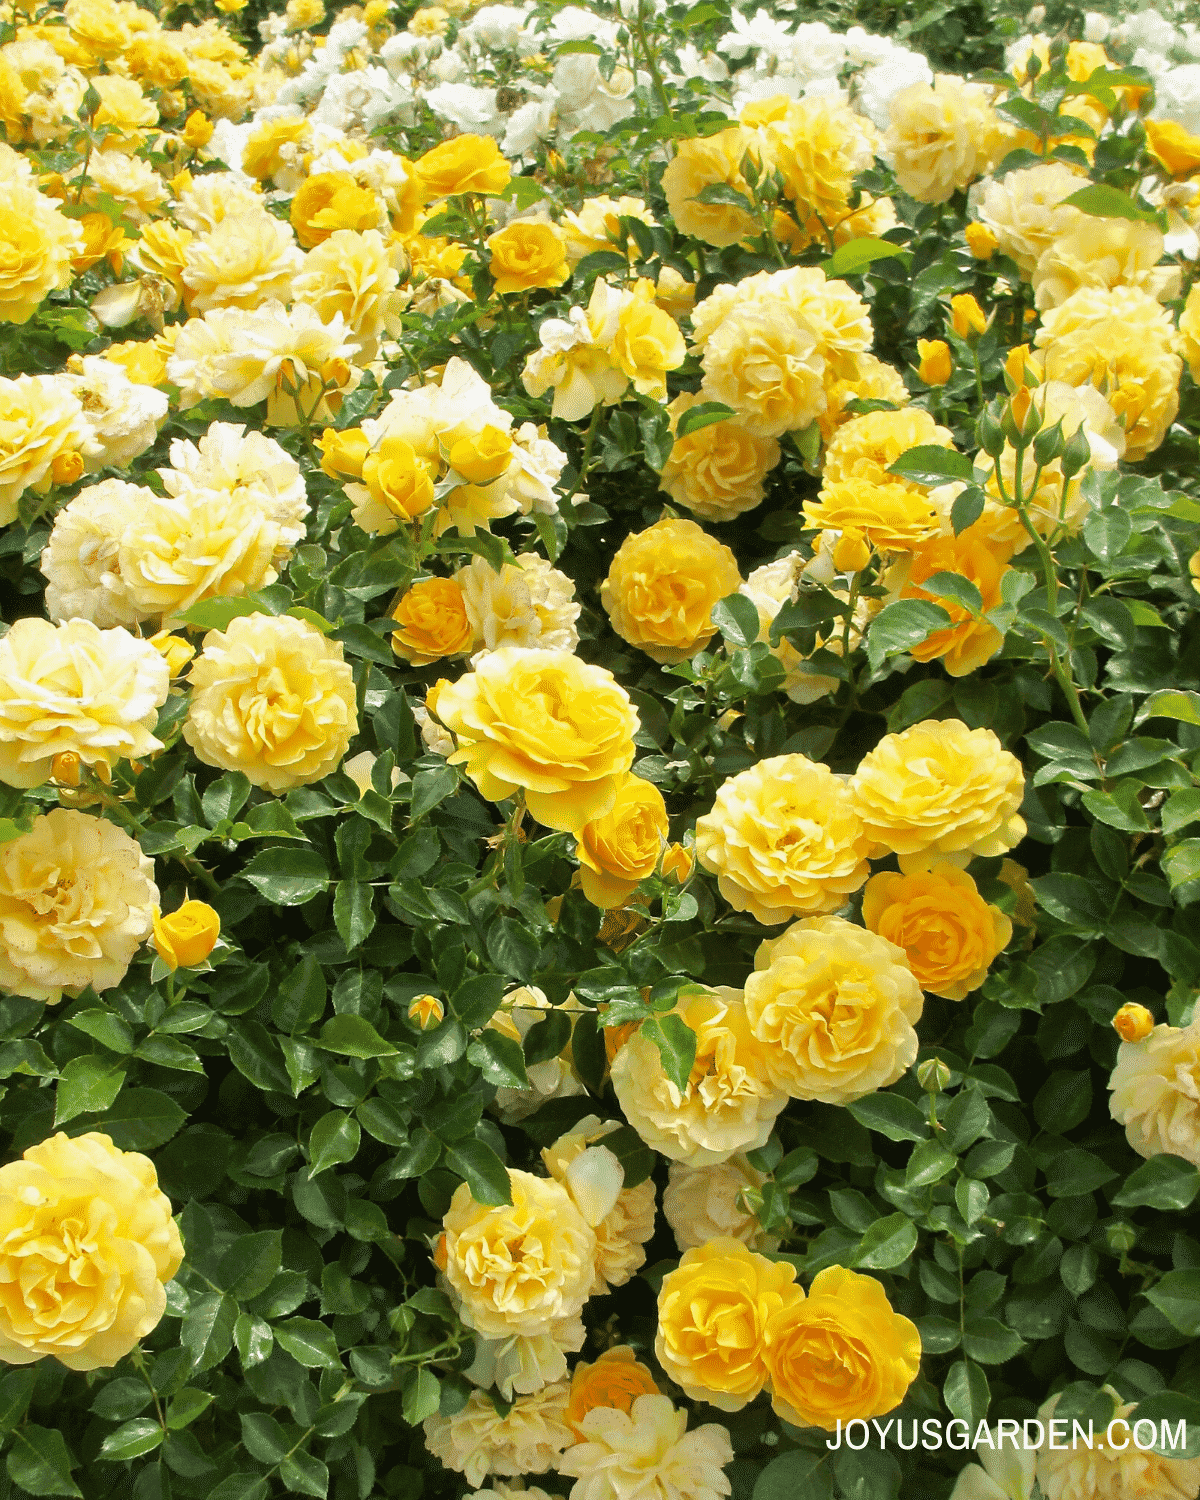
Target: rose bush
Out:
[599,750]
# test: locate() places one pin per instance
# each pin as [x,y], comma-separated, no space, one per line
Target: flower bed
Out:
[599,718]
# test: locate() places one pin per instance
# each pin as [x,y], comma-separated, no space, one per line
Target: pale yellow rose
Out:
[622,848]
[596,226]
[648,1451]
[646,342]
[529,1439]
[1025,212]
[729,1104]
[1104,253]
[522,1266]
[717,472]
[273,698]
[37,244]
[1189,332]
[708,1203]
[622,1218]
[88,1242]
[546,722]
[768,366]
[241,262]
[77,899]
[784,838]
[357,275]
[866,447]
[527,603]
[833,1008]
[713,1313]
[711,161]
[1156,1092]
[78,689]
[1115,1469]
[820,145]
[940,791]
[941,137]
[124,110]
[40,421]
[662,585]
[841,1354]
[949,933]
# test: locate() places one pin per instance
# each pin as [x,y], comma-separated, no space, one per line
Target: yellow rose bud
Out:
[65,768]
[343,452]
[375,12]
[678,863]
[482,456]
[1021,368]
[177,651]
[526,256]
[66,468]
[397,479]
[426,1011]
[1133,1023]
[1176,148]
[615,1380]
[851,552]
[981,242]
[620,849]
[231,7]
[465,164]
[1194,570]
[188,935]
[966,316]
[335,372]
[433,622]
[197,130]
[935,365]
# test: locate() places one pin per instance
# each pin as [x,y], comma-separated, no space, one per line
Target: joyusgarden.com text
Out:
[1058,1434]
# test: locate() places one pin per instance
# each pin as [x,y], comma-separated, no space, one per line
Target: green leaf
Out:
[207,1331]
[41,1463]
[1167,1183]
[186,1406]
[500,1059]
[335,1139]
[87,1085]
[886,1243]
[1105,202]
[287,877]
[225,798]
[929,1163]
[310,1343]
[966,1393]
[251,1264]
[1177,1297]
[703,414]
[135,1438]
[1171,703]
[1071,899]
[141,1119]
[353,911]
[676,1043]
[482,1170]
[352,1036]
[513,948]
[736,617]
[474,1002]
[891,1115]
[1167,1409]
[431,787]
[967,509]
[798,1475]
[216,614]
[901,625]
[1181,863]
[16,1392]
[263,1437]
[421,1395]
[106,1028]
[853,258]
[931,464]
[989,1342]
[302,1474]
[302,996]
[955,587]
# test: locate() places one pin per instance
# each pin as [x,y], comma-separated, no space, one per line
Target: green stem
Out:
[652,67]
[585,461]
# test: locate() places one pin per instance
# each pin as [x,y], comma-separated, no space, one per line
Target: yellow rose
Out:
[333,200]
[1133,1023]
[710,161]
[75,687]
[521,1266]
[37,244]
[97,25]
[647,343]
[343,451]
[77,899]
[156,60]
[949,933]
[433,622]
[768,366]
[273,698]
[1113,1466]
[708,1203]
[833,1007]
[622,1218]
[969,640]
[262,155]
[620,849]
[477,1441]
[940,791]
[1189,332]
[662,585]
[40,421]
[174,650]
[941,137]
[840,1354]
[545,721]
[1176,148]
[784,838]
[935,366]
[88,1242]
[678,863]
[482,456]
[240,262]
[1156,1092]
[426,1012]
[713,1314]
[647,1450]
[466,164]
[124,110]
[981,242]
[866,447]
[526,256]
[891,516]
[188,935]
[303,14]
[967,318]
[729,1104]
[614,1380]
[102,240]
[820,145]
[397,487]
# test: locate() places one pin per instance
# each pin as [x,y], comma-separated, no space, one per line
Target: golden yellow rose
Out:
[343,452]
[620,849]
[527,255]
[892,517]
[333,200]
[936,365]
[1189,332]
[273,698]
[1156,1092]
[37,244]
[949,933]
[769,366]
[840,1354]
[719,471]
[713,1315]
[88,1242]
[546,722]
[480,457]
[433,622]
[397,487]
[188,935]
[144,363]
[662,585]
[981,242]
[866,447]
[969,640]
[102,240]
[940,791]
[521,1266]
[614,1380]
[1176,148]
[77,899]
[466,164]
[261,156]
[833,1007]
[784,838]
[711,161]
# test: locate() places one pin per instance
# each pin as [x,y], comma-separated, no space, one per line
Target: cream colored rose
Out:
[77,899]
[1026,212]
[519,1011]
[833,1008]
[648,1451]
[241,262]
[940,791]
[81,560]
[273,698]
[39,420]
[357,275]
[477,1440]
[622,1218]
[941,137]
[729,1104]
[718,471]
[86,1243]
[522,1266]
[528,604]
[229,458]
[523,1363]
[123,419]
[662,585]
[1156,1092]
[597,225]
[1111,1469]
[784,838]
[36,246]
[708,1203]
[73,687]
[1104,253]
